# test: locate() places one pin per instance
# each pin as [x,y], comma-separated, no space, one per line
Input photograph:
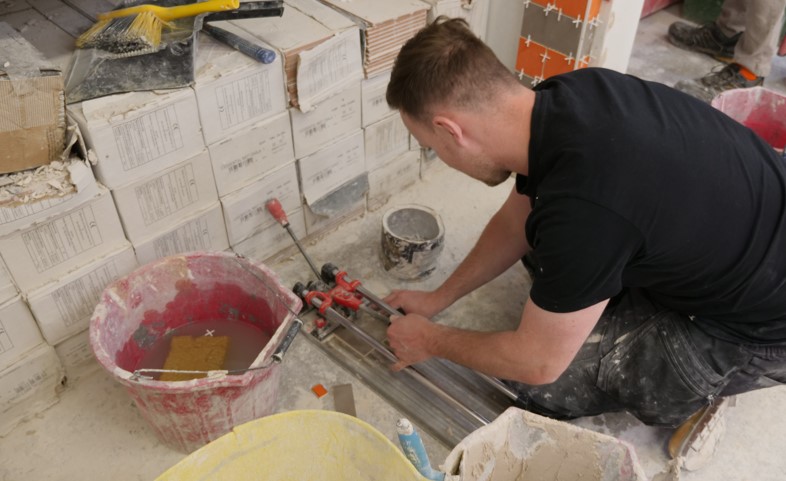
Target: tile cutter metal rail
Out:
[348,322]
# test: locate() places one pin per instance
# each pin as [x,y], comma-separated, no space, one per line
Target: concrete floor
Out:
[95,432]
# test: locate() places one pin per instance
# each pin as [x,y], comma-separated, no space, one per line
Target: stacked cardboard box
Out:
[385,25]
[246,125]
[52,246]
[56,223]
[32,107]
[320,49]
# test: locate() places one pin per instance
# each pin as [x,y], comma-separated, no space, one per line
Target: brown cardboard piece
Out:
[32,105]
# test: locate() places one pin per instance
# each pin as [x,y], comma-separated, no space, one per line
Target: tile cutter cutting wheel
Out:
[349,323]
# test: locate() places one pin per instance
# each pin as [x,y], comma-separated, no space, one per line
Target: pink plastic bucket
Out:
[140,308]
[759,109]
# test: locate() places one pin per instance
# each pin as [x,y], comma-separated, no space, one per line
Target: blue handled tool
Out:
[414,450]
[240,44]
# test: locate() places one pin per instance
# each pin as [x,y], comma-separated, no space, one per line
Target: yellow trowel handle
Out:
[172,13]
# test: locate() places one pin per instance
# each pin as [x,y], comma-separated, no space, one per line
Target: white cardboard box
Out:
[272,238]
[138,134]
[20,216]
[320,46]
[330,168]
[392,178]
[48,250]
[18,331]
[7,286]
[234,91]
[385,140]
[333,118]
[252,152]
[347,201]
[63,308]
[155,203]
[77,356]
[203,231]
[385,27]
[244,210]
[372,93]
[28,386]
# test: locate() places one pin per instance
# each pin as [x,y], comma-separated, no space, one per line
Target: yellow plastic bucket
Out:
[300,445]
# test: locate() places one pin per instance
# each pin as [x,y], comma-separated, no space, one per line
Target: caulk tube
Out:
[414,450]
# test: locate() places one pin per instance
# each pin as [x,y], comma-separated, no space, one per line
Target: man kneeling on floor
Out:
[653,226]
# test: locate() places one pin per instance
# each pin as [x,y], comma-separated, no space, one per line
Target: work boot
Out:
[705,39]
[708,87]
[696,440]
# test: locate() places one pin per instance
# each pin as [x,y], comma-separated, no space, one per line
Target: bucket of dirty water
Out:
[522,446]
[298,445]
[215,292]
[412,239]
[759,109]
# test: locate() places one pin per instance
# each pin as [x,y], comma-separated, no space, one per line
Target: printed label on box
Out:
[271,238]
[385,140]
[375,104]
[39,368]
[326,170]
[245,211]
[335,117]
[204,231]
[62,239]
[148,137]
[392,178]
[75,350]
[239,101]
[77,299]
[326,68]
[193,236]
[252,153]
[50,250]
[27,384]
[137,134]
[63,307]
[6,343]
[7,287]
[167,194]
[159,202]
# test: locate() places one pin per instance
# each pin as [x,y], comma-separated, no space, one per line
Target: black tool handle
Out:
[240,44]
[248,10]
[282,348]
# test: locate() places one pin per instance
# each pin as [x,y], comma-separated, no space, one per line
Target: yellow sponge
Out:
[186,353]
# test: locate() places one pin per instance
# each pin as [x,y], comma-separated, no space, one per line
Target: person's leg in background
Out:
[761,23]
[752,27]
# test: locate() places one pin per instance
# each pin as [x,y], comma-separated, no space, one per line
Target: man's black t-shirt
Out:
[634,184]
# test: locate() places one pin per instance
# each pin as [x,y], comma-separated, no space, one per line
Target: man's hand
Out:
[427,304]
[409,338]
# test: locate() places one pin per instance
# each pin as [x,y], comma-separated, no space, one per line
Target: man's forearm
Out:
[502,244]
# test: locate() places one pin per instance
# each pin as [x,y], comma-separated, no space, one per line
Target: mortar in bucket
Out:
[136,313]
[412,239]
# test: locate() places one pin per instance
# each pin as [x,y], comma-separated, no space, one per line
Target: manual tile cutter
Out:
[348,322]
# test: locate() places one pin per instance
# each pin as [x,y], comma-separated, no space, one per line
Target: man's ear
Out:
[447,126]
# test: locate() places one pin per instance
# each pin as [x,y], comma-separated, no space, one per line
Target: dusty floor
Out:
[95,432]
